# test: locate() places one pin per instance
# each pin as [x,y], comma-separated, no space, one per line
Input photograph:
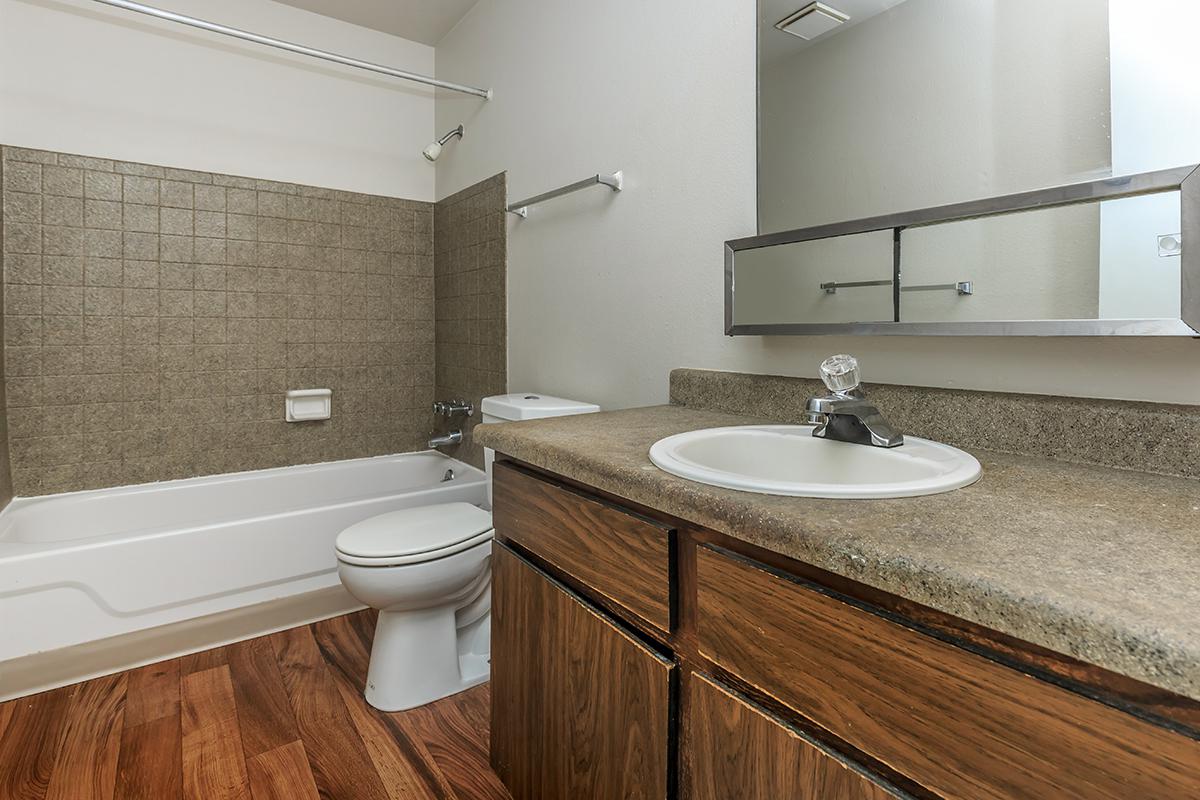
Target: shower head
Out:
[435,148]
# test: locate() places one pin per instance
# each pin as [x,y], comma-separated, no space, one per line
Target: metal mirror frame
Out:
[1185,180]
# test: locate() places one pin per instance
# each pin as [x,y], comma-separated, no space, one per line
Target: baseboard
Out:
[54,668]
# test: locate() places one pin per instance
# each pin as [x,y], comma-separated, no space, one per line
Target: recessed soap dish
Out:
[305,405]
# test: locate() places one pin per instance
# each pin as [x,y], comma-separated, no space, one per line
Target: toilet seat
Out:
[418,558]
[414,535]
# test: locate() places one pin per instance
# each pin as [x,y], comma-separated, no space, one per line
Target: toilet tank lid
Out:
[410,531]
[531,405]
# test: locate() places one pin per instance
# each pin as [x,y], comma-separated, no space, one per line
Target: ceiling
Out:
[425,21]
[775,43]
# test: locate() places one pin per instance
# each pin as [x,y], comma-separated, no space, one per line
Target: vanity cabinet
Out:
[580,707]
[954,721]
[738,751]
[636,655]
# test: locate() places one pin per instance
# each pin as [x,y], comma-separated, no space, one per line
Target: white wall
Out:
[608,293]
[79,77]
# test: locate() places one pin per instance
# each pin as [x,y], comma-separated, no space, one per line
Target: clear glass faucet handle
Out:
[840,372]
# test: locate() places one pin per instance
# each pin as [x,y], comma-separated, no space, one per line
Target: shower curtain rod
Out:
[171,16]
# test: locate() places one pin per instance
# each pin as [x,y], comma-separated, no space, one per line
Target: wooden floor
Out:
[276,718]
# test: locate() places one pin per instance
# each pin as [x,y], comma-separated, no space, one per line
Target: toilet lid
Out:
[412,531]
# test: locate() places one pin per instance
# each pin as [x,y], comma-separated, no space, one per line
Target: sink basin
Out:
[788,460]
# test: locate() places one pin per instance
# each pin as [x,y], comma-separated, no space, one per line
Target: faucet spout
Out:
[446,439]
[852,419]
[845,414]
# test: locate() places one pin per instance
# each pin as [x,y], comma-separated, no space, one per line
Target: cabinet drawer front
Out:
[623,557]
[580,709]
[736,751]
[952,720]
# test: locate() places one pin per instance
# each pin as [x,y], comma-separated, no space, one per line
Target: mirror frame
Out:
[1185,180]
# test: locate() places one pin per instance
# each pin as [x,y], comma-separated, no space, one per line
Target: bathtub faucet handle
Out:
[448,408]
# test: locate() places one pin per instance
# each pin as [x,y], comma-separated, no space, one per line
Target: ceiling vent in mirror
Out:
[812,21]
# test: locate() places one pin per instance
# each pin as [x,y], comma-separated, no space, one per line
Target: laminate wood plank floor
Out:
[281,717]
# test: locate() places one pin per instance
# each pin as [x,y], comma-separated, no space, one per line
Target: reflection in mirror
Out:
[888,106]
[918,103]
[1117,259]
[789,283]
[1095,261]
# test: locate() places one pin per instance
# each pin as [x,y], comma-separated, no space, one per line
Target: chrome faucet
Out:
[845,415]
[445,439]
[450,409]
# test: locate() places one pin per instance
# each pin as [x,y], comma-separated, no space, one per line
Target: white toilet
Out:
[428,571]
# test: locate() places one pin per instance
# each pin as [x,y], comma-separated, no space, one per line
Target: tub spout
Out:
[445,439]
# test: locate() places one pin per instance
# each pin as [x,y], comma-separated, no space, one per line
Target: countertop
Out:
[1098,563]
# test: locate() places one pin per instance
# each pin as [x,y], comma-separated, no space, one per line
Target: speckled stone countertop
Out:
[1098,563]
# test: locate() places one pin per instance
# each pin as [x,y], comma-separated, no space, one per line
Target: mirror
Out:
[1046,264]
[893,111]
[1051,264]
[785,283]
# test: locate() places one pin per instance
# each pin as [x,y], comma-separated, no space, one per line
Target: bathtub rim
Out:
[12,546]
[217,478]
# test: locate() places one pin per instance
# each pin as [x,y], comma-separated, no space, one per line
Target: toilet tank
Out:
[525,405]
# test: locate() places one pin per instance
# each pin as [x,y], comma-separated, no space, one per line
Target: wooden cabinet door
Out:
[580,708]
[736,751]
[623,558]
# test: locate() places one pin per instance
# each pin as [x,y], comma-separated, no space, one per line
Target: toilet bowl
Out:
[428,571]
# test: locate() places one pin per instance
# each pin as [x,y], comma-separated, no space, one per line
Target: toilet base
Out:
[422,656]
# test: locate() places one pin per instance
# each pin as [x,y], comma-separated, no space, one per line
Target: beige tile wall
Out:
[154,318]
[6,489]
[470,256]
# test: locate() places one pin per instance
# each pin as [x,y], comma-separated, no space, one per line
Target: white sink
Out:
[788,460]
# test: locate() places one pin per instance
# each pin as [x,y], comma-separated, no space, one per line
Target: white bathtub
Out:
[83,569]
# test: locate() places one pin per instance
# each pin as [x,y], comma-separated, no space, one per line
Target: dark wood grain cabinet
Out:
[580,708]
[736,750]
[637,656]
[954,721]
[623,557]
